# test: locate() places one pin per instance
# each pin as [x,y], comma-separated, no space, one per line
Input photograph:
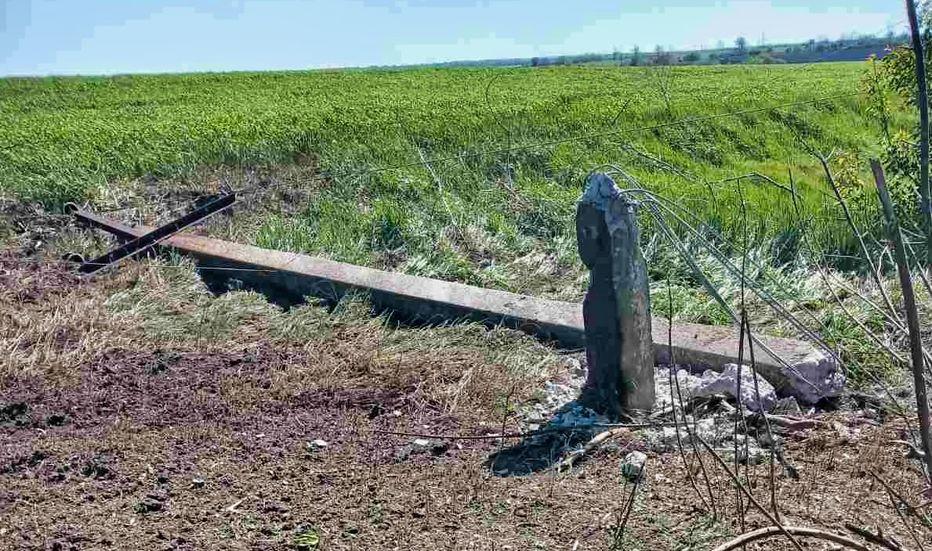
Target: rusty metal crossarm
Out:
[144,242]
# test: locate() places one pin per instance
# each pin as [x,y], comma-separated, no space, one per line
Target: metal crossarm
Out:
[152,238]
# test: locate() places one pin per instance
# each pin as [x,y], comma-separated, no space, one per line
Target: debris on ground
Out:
[755,395]
[709,416]
[815,378]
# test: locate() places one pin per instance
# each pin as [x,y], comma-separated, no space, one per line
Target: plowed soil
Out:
[174,448]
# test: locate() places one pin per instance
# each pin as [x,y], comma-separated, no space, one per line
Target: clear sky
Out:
[39,37]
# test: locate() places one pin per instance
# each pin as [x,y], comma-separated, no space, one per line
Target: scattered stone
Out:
[663,439]
[420,446]
[56,420]
[148,505]
[633,465]
[435,447]
[749,451]
[197,483]
[403,453]
[718,432]
[316,444]
[558,394]
[575,414]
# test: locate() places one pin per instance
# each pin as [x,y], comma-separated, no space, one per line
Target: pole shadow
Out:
[568,429]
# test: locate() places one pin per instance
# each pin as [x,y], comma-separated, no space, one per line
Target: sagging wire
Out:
[654,203]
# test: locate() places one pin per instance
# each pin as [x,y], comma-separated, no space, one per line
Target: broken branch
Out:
[592,444]
[790,531]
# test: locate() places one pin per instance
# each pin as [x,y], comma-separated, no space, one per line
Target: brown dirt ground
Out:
[161,445]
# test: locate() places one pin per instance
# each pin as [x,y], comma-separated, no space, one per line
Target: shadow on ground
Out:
[568,429]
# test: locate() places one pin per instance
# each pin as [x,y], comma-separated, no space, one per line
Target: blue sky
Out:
[39,37]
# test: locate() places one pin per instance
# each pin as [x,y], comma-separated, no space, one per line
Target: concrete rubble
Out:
[557,408]
[557,397]
[761,397]
[815,377]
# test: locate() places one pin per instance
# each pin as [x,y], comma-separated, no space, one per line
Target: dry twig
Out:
[790,531]
[761,508]
[912,315]
[592,444]
[877,538]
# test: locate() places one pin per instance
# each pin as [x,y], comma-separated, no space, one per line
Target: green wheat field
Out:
[453,173]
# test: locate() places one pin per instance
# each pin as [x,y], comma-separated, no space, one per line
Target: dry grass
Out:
[52,322]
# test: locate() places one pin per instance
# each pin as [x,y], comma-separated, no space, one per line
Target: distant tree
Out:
[742,44]
[661,57]
[636,57]
[691,57]
[535,62]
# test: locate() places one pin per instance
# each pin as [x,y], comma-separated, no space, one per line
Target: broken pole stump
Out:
[616,310]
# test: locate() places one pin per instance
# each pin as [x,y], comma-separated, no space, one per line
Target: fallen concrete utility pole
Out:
[291,276]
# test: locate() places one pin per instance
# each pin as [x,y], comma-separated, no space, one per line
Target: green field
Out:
[514,148]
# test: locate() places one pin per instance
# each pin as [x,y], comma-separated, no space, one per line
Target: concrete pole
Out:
[616,310]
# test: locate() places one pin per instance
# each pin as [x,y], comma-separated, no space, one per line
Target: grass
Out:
[463,217]
[441,172]
[72,138]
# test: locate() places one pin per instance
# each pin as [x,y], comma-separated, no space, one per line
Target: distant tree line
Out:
[851,47]
[847,48]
